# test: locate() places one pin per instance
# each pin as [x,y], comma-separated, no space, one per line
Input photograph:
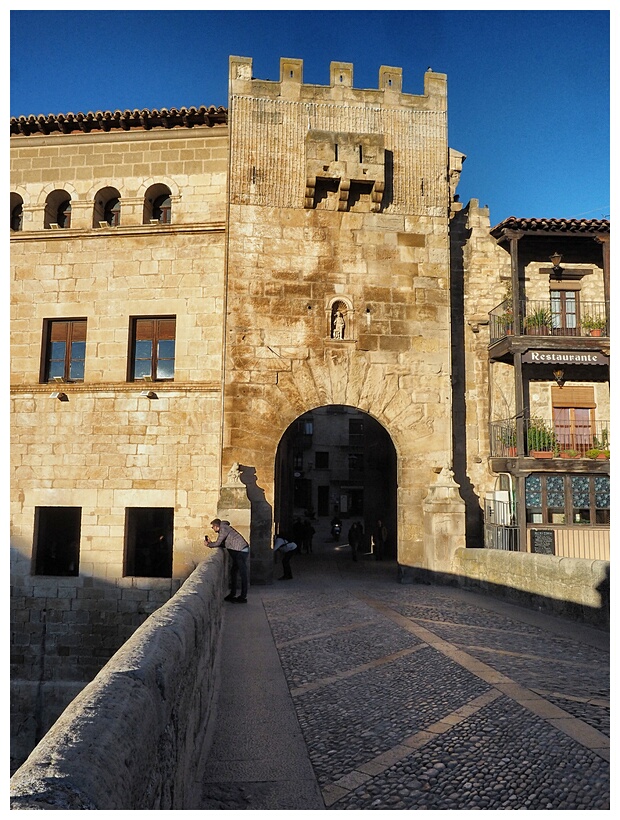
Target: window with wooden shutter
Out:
[573,417]
[153,348]
[65,350]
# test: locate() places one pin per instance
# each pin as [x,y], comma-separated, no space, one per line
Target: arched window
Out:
[17,212]
[107,210]
[58,210]
[158,205]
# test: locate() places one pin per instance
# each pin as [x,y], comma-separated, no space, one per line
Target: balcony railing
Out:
[555,439]
[548,318]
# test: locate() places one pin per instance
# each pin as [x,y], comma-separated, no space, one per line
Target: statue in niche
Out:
[338,326]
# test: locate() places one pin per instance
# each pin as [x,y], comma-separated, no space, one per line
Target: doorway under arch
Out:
[337,460]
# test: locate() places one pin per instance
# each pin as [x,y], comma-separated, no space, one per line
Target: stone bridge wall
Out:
[573,588]
[135,737]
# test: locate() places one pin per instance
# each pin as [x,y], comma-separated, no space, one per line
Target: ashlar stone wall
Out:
[107,448]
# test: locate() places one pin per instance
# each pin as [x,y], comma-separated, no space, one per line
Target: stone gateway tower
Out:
[338,276]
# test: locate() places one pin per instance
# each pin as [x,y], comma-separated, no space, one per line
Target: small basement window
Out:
[148,542]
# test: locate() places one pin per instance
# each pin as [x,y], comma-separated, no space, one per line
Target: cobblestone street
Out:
[421,697]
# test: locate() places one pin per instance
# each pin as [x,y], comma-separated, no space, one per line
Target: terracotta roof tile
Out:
[551,225]
[119,120]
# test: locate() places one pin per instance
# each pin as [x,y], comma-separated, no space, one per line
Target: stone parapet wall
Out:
[63,630]
[134,738]
[570,587]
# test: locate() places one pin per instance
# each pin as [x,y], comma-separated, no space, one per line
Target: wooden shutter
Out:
[167,328]
[573,396]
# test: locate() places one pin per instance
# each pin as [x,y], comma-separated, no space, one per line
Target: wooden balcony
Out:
[550,446]
[550,320]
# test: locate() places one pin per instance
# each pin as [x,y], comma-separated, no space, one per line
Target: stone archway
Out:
[337,460]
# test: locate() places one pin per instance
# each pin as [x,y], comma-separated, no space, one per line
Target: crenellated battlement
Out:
[291,86]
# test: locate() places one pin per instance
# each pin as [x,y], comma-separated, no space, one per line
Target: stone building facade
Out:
[188,283]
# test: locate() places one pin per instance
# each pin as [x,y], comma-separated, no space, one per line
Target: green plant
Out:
[593,323]
[540,436]
[570,453]
[539,318]
[508,437]
[594,452]
[506,317]
[603,442]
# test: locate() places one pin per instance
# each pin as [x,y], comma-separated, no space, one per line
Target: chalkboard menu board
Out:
[543,542]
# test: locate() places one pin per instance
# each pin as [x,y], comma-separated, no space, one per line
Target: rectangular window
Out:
[152,348]
[57,540]
[356,433]
[575,499]
[565,312]
[148,542]
[573,417]
[321,461]
[64,350]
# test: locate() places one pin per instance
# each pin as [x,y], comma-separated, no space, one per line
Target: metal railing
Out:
[500,528]
[560,439]
[548,318]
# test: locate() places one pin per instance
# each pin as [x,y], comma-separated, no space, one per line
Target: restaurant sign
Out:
[560,357]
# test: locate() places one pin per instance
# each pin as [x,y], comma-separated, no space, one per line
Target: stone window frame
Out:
[107,208]
[157,205]
[163,328]
[148,542]
[56,541]
[70,331]
[57,210]
[17,211]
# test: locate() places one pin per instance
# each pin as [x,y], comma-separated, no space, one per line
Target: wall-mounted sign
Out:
[542,542]
[564,357]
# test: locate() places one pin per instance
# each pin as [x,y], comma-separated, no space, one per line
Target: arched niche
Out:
[341,319]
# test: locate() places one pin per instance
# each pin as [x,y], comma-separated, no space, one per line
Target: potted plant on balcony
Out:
[594,452]
[505,322]
[569,453]
[595,325]
[541,441]
[539,322]
[508,440]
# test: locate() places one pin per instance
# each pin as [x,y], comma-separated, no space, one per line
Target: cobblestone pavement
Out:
[423,697]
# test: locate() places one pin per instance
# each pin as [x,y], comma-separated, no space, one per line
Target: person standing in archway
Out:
[354,538]
[286,549]
[379,539]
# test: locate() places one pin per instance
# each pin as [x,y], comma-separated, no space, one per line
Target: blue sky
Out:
[528,91]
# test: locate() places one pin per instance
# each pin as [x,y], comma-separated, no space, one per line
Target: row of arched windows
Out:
[106,210]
